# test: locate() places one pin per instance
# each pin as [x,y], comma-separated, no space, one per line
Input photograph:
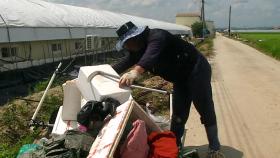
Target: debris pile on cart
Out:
[100,120]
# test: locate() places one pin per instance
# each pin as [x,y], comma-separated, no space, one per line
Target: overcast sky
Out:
[245,13]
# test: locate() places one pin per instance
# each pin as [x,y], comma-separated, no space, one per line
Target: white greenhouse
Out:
[35,32]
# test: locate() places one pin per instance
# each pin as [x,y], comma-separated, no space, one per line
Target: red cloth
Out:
[163,145]
[136,144]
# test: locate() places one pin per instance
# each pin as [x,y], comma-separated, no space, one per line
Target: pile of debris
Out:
[99,119]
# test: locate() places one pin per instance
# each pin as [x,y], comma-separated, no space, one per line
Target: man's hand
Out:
[128,78]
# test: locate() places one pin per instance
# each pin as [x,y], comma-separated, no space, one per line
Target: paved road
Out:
[246,91]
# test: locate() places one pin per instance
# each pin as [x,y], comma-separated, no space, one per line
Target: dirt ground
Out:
[246,92]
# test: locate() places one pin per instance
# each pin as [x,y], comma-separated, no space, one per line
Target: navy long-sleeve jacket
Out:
[164,54]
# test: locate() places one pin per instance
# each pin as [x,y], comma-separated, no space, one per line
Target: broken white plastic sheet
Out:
[162,121]
[60,125]
[71,100]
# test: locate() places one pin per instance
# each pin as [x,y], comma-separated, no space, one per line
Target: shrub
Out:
[197,29]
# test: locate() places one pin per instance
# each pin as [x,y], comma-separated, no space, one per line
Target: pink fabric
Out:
[82,128]
[136,144]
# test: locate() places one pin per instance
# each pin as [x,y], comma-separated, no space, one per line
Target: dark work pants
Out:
[196,89]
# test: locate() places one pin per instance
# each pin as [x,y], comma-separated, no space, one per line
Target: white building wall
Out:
[36,53]
[187,21]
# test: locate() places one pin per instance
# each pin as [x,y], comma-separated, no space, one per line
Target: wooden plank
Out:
[108,138]
[122,128]
[139,113]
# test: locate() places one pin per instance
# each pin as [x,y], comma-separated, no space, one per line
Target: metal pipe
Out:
[61,50]
[116,78]
[24,48]
[9,41]
[44,52]
[229,21]
[86,57]
[30,54]
[170,105]
[31,100]
[194,151]
[45,92]
[51,50]
[68,45]
[149,89]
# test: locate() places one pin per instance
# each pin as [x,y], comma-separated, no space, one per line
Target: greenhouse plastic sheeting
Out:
[36,17]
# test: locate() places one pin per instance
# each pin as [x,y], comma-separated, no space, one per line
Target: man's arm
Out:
[126,62]
[155,46]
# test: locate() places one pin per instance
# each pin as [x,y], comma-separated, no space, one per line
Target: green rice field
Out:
[268,43]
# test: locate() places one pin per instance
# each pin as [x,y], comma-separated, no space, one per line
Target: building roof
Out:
[188,15]
[30,20]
